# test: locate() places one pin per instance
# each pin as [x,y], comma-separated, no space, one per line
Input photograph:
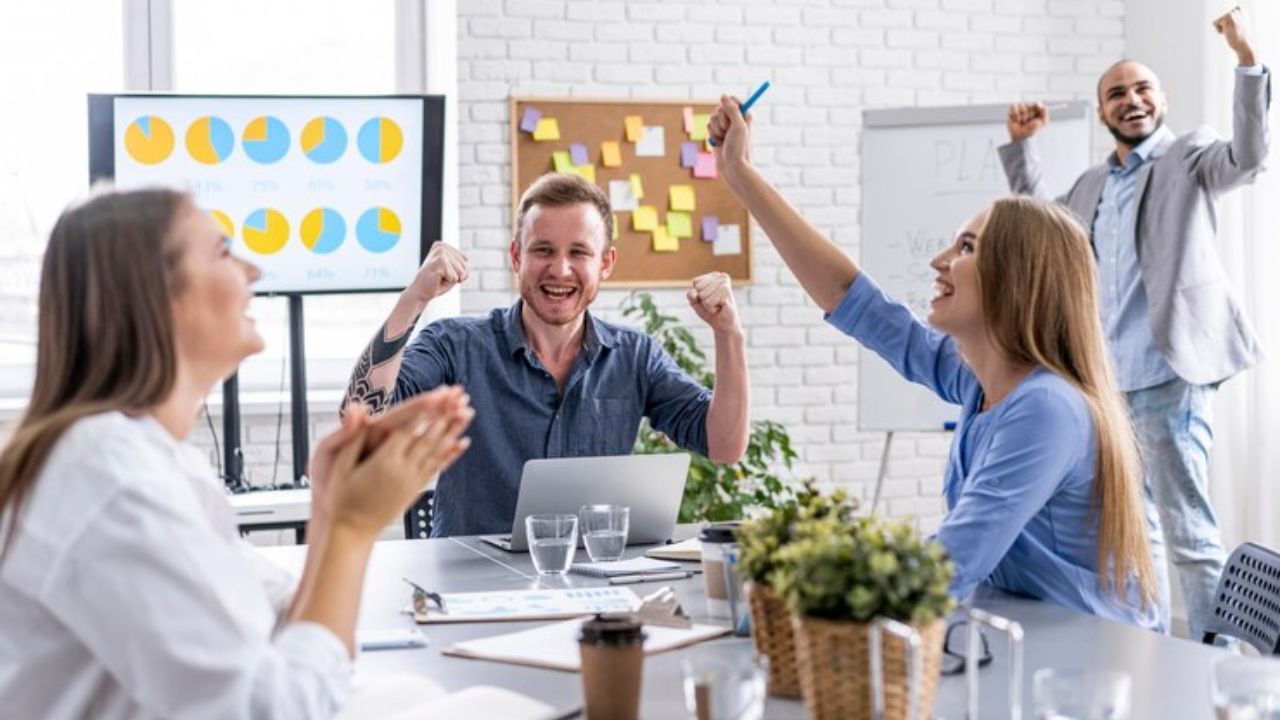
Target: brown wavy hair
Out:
[1040,297]
[106,339]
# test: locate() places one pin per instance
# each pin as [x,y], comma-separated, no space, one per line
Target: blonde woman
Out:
[1043,487]
[125,590]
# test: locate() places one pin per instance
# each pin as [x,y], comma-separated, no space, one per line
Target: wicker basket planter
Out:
[775,639]
[835,669]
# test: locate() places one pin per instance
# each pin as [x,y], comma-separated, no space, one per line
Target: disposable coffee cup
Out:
[715,539]
[612,650]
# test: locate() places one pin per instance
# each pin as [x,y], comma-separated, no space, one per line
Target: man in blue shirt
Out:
[547,378]
[1173,326]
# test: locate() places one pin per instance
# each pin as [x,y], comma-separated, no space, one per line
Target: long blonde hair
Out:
[106,338]
[1040,298]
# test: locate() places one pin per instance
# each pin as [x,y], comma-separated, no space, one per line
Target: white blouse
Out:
[128,593]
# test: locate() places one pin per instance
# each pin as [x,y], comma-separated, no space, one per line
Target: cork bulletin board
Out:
[674,218]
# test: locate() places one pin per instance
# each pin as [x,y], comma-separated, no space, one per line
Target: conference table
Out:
[1170,675]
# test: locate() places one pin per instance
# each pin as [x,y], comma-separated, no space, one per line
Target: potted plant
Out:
[836,575]
[759,541]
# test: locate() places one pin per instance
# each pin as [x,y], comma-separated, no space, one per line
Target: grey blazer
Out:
[1195,319]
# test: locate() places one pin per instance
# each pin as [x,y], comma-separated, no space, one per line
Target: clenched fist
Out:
[1025,120]
[445,267]
[711,297]
[1234,26]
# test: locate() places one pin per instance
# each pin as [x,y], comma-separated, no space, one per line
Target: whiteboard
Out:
[926,171]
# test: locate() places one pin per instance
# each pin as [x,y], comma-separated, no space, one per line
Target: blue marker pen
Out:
[745,107]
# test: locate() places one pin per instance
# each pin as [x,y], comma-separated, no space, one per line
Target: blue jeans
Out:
[1173,424]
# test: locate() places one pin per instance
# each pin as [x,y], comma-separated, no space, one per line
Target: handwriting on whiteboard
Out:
[961,166]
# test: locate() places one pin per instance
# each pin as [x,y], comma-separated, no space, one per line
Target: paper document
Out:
[555,646]
[413,697]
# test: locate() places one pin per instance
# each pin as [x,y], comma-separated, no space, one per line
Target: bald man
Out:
[1173,326]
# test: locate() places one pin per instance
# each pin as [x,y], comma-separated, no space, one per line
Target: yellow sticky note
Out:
[699,129]
[635,128]
[615,226]
[679,224]
[610,153]
[586,172]
[645,218]
[562,162]
[548,129]
[637,187]
[682,198]
[663,242]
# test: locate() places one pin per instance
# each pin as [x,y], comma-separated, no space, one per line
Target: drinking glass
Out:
[604,531]
[725,687]
[1075,694]
[1246,688]
[552,541]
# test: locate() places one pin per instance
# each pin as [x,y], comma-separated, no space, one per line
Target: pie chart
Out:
[266,231]
[324,140]
[210,140]
[380,140]
[265,139]
[322,230]
[224,222]
[148,140]
[378,230]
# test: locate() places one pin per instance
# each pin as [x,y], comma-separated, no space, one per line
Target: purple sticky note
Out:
[688,154]
[529,122]
[705,167]
[578,152]
[710,228]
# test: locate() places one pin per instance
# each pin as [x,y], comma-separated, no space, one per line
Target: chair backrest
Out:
[1247,603]
[417,520]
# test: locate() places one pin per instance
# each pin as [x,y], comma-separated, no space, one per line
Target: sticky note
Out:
[682,198]
[622,196]
[699,129]
[529,121]
[645,218]
[728,241]
[688,154]
[710,227]
[562,162]
[663,242]
[635,127]
[615,226]
[679,224]
[706,166]
[654,142]
[586,172]
[547,129]
[687,113]
[578,152]
[636,186]
[610,154]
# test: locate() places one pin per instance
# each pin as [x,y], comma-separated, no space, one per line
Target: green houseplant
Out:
[714,491]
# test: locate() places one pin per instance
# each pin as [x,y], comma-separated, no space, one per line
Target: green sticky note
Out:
[699,129]
[563,163]
[679,224]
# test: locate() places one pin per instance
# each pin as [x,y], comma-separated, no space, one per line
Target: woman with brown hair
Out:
[1043,484]
[125,590]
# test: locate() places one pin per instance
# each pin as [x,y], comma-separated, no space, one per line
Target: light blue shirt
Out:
[1019,478]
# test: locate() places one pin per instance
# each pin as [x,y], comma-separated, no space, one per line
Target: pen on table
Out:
[745,107]
[649,577]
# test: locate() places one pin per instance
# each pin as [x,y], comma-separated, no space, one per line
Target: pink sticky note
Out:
[529,122]
[688,154]
[710,228]
[688,120]
[705,166]
[578,152]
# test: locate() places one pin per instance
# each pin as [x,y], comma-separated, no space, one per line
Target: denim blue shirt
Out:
[620,376]
[1138,362]
[1019,477]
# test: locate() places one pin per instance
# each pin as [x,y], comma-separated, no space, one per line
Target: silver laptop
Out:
[651,485]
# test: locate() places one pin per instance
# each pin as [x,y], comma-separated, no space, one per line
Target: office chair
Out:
[417,521]
[1247,603]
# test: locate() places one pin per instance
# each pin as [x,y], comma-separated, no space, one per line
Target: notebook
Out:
[634,566]
[690,549]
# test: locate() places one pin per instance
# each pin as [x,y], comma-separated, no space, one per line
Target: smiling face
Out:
[213,329]
[956,308]
[1130,102]
[560,256]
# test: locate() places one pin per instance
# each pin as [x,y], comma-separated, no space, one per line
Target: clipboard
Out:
[513,605]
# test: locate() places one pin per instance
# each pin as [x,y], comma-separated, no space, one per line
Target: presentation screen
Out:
[324,194]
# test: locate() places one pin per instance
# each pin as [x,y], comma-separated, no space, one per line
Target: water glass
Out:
[552,541]
[725,687]
[1074,694]
[604,531]
[1246,688]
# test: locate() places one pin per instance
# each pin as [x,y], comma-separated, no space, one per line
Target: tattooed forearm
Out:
[362,388]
